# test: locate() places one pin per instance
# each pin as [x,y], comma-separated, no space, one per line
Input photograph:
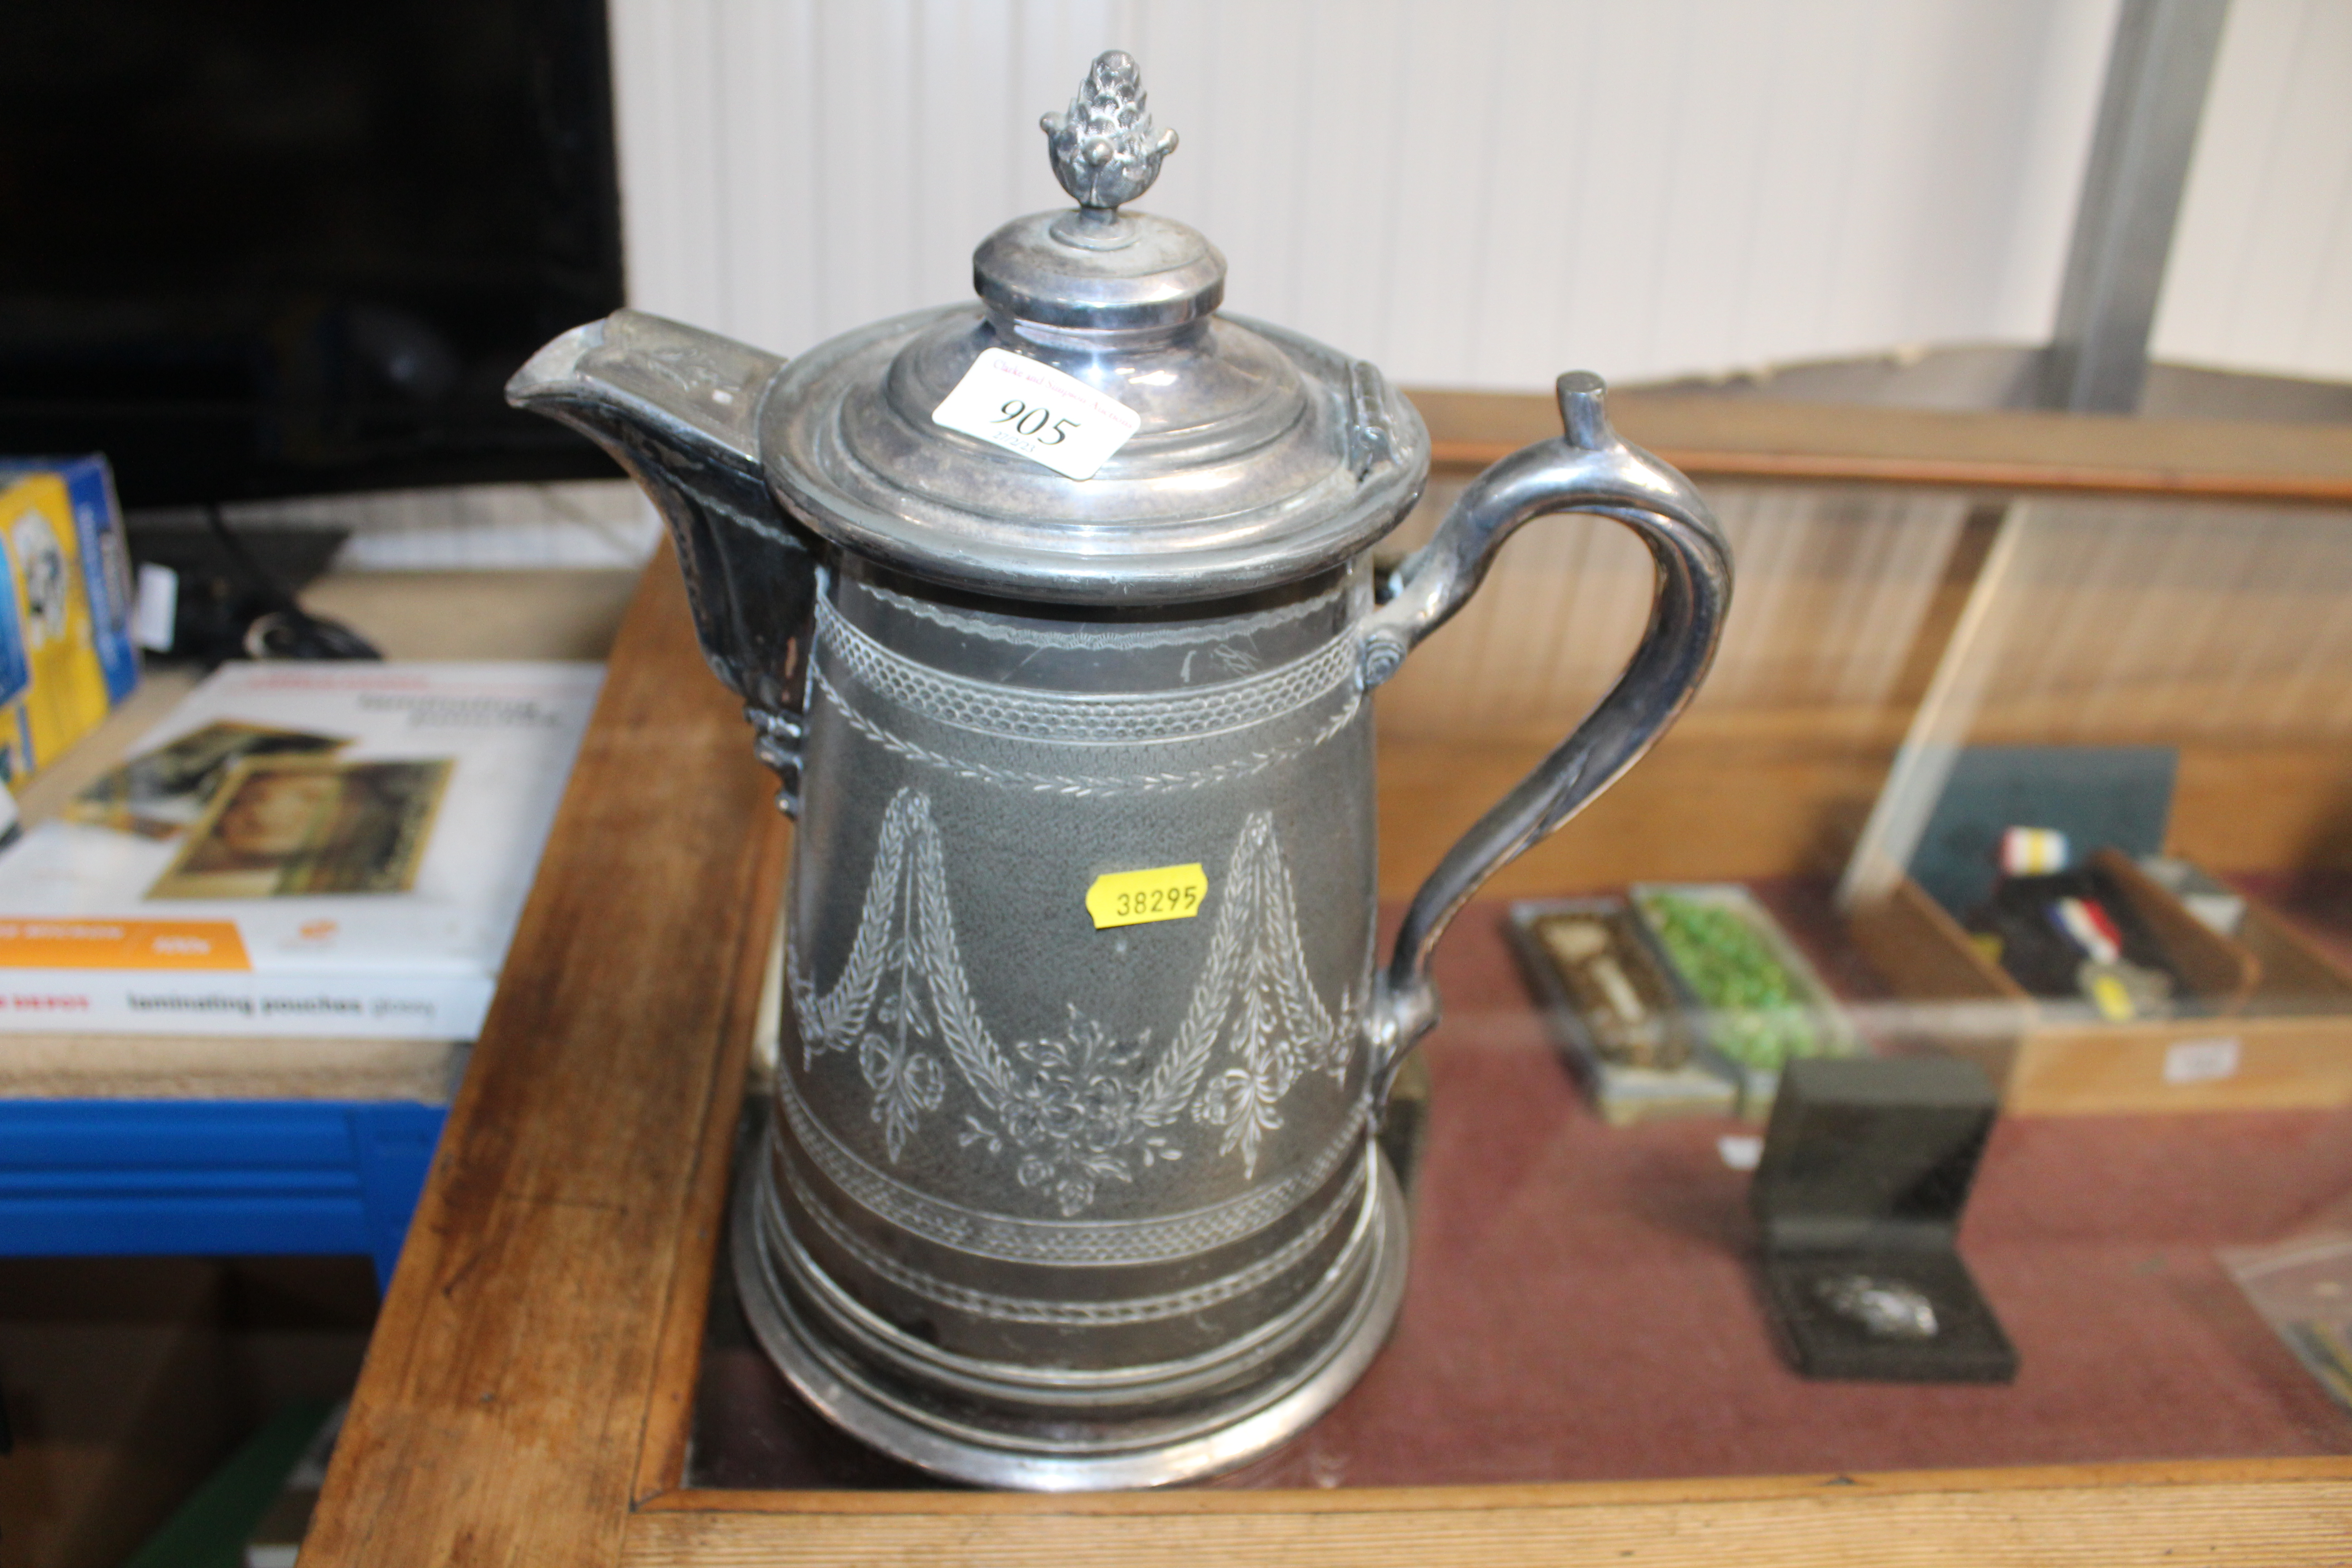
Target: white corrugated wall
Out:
[1485,192]
[2261,266]
[1479,193]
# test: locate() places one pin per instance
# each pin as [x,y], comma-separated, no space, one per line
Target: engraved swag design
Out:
[1089,1106]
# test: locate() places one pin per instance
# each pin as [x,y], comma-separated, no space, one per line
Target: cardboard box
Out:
[66,653]
[2278,1035]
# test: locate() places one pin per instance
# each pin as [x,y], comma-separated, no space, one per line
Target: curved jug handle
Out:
[1590,470]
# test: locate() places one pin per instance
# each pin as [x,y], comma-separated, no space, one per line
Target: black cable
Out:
[285,629]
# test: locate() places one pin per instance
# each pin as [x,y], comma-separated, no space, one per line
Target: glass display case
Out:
[2170,677]
[2110,684]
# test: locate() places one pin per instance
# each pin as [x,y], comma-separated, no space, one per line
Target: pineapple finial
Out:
[1106,150]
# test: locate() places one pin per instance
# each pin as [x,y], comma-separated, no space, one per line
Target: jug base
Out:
[1257,1419]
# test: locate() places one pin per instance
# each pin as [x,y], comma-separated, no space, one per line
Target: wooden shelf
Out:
[1762,438]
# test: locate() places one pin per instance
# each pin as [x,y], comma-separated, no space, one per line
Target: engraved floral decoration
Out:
[1278,1024]
[1268,1011]
[1088,1106]
[905,1081]
[1075,1104]
[887,1004]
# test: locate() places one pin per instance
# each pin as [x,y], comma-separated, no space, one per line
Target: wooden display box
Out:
[2280,1036]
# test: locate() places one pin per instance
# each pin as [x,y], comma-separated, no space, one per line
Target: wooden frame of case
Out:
[528,1392]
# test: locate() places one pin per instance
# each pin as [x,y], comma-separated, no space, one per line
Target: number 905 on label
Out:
[1030,408]
[1138,898]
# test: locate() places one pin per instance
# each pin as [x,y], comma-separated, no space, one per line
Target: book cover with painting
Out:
[301,848]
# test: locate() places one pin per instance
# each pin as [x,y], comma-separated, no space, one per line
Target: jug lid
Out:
[1093,430]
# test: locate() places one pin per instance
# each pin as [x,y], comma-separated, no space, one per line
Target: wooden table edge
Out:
[1844,1520]
[1488,1496]
[669,1411]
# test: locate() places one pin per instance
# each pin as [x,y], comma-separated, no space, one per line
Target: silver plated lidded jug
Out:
[1056,615]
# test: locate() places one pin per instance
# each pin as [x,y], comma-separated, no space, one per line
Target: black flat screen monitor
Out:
[271,248]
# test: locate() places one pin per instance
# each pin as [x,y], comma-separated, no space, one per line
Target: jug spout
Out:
[678,409]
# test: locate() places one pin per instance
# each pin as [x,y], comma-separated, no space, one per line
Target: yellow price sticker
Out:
[1136,897]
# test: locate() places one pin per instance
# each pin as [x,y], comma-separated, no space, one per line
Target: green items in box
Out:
[1760,1019]
[1761,1005]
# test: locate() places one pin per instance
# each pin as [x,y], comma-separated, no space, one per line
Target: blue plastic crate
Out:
[212,1178]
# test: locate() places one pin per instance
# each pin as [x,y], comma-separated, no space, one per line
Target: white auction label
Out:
[2201,1061]
[157,607]
[1035,410]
